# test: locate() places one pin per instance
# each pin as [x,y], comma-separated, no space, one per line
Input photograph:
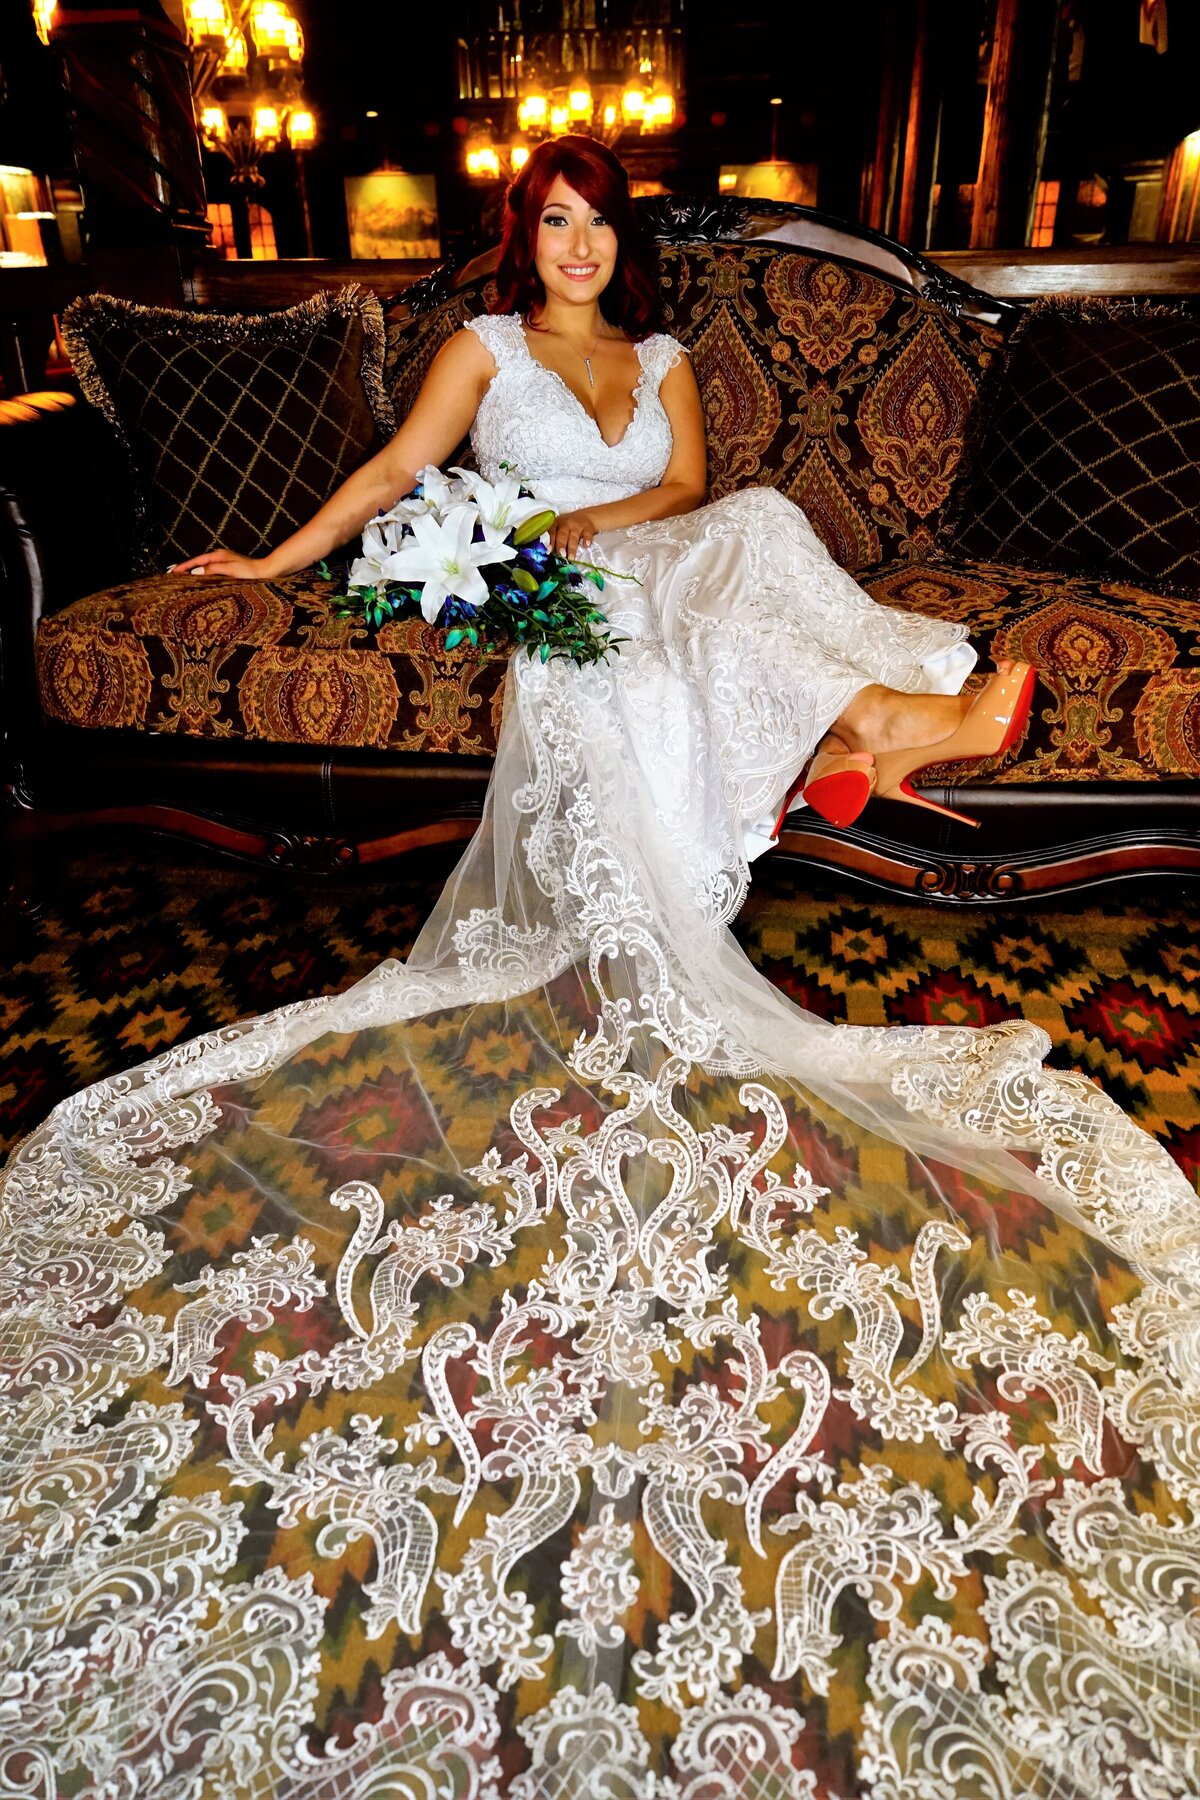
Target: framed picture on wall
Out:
[392,213]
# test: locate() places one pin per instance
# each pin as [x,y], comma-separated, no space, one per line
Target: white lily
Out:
[501,507]
[441,554]
[437,496]
[381,537]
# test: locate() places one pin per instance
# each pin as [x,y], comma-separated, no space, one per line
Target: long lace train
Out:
[560,1367]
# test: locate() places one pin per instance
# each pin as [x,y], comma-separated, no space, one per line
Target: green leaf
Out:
[324,571]
[453,638]
[545,653]
[472,634]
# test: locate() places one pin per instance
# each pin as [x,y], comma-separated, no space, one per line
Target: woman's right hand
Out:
[227,566]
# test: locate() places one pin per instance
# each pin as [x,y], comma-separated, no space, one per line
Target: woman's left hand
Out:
[572,531]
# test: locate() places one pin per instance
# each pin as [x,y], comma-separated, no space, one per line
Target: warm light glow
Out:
[633,100]
[302,130]
[484,162]
[519,157]
[208,21]
[277,35]
[43,18]
[610,115]
[726,182]
[560,118]
[533,111]
[661,109]
[580,101]
[266,123]
[237,54]
[213,122]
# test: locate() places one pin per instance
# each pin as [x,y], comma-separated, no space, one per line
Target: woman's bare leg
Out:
[881,718]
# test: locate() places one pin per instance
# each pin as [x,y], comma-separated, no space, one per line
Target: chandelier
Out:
[246,81]
[609,82]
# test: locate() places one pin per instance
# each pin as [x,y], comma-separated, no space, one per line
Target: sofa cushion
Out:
[849,394]
[237,428]
[264,660]
[1118,696]
[1086,454]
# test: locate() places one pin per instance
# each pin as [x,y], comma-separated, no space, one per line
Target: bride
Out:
[560,1367]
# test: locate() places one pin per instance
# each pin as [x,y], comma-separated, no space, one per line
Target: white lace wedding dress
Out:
[559,1367]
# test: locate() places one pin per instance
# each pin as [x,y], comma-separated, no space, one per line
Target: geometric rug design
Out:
[137,951]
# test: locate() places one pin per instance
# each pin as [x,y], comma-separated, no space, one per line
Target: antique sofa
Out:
[833,364]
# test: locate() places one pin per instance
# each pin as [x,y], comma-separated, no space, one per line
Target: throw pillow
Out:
[1086,455]
[237,427]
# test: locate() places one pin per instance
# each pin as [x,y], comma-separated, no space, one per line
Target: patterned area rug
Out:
[131,956]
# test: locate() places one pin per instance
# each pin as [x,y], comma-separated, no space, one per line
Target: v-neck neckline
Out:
[635,396]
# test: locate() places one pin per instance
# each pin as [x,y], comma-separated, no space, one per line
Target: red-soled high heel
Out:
[836,784]
[991,725]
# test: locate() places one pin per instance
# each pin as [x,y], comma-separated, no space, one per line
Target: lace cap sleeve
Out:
[495,332]
[660,353]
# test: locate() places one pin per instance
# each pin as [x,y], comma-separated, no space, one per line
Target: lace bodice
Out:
[530,418]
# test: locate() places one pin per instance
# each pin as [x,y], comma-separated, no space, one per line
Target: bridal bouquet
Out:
[471,556]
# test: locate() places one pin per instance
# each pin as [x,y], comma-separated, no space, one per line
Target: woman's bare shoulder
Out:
[465,352]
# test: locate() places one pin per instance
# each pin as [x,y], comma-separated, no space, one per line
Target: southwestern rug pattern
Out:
[130,957]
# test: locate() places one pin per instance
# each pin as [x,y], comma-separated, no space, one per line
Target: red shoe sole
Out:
[841,797]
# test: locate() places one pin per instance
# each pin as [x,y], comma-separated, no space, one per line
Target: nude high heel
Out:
[837,785]
[990,726]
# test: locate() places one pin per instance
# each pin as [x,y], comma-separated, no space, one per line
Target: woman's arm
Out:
[682,487]
[440,418]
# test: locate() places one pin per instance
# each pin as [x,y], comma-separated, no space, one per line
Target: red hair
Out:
[630,301]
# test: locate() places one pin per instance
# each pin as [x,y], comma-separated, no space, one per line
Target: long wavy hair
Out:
[630,301]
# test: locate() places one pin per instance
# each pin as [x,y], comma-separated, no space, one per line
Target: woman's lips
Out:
[579,271]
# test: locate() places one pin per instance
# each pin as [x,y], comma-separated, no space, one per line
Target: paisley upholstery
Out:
[1118,695]
[817,378]
[265,660]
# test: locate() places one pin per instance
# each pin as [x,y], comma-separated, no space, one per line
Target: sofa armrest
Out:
[65,530]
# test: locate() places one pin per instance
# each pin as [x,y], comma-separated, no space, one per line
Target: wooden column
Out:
[126,72]
[921,136]
[1015,122]
[879,198]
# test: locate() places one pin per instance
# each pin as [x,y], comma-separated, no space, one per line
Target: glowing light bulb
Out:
[633,101]
[302,130]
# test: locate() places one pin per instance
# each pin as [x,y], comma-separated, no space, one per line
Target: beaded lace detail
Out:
[530,418]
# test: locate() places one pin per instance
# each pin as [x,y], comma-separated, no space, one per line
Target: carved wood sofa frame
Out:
[326,811]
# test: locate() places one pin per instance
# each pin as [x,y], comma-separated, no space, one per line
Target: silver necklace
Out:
[587,361]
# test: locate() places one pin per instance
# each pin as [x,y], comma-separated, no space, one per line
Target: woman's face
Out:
[576,249]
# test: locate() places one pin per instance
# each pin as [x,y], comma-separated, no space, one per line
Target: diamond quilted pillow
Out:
[237,427]
[1087,451]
